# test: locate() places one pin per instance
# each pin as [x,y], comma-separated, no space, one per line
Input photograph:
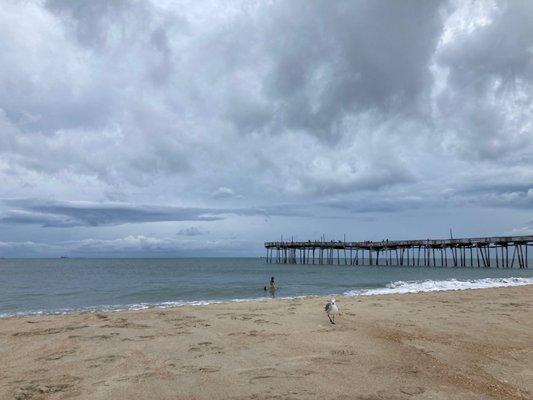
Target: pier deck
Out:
[499,252]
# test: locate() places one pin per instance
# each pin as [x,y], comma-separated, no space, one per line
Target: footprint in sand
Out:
[204,348]
[99,361]
[412,390]
[224,315]
[124,323]
[141,338]
[56,355]
[258,334]
[336,360]
[97,337]
[183,325]
[155,373]
[410,370]
[246,317]
[249,333]
[191,369]
[384,370]
[515,305]
[49,331]
[61,387]
[261,321]
[260,374]
[343,352]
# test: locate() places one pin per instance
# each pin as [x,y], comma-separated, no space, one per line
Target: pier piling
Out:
[406,252]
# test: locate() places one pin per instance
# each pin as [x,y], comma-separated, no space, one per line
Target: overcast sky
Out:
[189,128]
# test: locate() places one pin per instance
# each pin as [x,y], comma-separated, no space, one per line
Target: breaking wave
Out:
[401,287]
[398,287]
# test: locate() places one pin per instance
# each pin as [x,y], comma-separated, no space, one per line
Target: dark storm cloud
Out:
[488,97]
[328,60]
[54,214]
[335,71]
[71,214]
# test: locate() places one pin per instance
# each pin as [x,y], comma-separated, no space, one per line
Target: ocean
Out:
[55,286]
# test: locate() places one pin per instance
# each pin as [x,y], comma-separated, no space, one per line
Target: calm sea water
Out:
[63,285]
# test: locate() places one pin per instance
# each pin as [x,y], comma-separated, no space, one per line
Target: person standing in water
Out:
[272,288]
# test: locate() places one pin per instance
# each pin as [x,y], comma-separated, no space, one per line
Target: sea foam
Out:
[402,287]
[398,287]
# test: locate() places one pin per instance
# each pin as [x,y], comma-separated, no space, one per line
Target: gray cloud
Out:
[94,22]
[71,214]
[137,245]
[498,188]
[52,214]
[223,193]
[512,199]
[487,100]
[377,206]
[326,67]
[191,231]
[525,229]
[118,110]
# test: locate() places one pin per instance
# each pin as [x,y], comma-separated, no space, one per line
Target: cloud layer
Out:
[131,119]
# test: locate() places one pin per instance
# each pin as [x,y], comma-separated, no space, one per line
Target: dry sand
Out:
[474,344]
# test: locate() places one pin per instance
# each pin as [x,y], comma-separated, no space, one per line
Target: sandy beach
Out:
[473,344]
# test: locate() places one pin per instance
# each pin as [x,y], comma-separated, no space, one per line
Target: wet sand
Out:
[475,344]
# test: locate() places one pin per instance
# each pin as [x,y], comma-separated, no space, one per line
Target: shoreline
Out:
[469,344]
[400,287]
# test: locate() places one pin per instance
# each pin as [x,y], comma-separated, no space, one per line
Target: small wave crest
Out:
[402,287]
[135,307]
[398,287]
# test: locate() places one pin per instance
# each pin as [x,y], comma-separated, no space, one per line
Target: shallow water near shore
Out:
[35,286]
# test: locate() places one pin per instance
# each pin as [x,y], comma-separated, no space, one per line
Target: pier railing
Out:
[499,252]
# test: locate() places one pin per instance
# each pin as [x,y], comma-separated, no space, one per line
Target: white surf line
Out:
[402,287]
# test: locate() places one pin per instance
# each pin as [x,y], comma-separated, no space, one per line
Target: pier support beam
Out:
[402,253]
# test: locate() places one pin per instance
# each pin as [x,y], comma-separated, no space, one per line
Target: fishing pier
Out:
[485,252]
